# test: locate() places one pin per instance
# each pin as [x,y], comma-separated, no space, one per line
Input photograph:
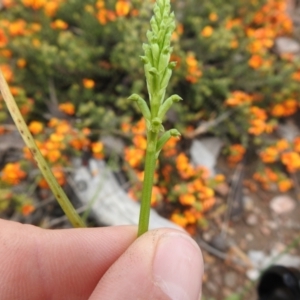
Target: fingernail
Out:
[178,267]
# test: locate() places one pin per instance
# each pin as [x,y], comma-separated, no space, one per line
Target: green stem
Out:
[148,182]
[58,192]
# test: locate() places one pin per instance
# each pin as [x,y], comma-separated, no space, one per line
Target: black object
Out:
[279,283]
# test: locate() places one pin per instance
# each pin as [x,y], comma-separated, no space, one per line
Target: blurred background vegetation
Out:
[71,65]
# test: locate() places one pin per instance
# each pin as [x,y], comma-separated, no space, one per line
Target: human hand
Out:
[97,263]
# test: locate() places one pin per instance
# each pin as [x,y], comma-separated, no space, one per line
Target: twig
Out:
[204,127]
[60,195]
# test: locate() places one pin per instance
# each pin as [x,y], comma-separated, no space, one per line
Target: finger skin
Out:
[57,264]
[145,272]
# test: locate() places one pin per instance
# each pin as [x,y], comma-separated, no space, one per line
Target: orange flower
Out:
[122,8]
[8,3]
[97,147]
[125,127]
[3,38]
[291,160]
[7,72]
[100,4]
[63,128]
[58,174]
[181,162]
[59,24]
[255,61]
[282,145]
[257,127]
[111,16]
[269,155]
[238,98]
[56,137]
[139,127]
[51,8]
[193,71]
[35,127]
[140,142]
[88,83]
[285,185]
[155,196]
[36,43]
[53,122]
[296,76]
[12,173]
[191,215]
[17,28]
[290,107]
[169,148]
[134,156]
[21,63]
[233,23]
[68,108]
[213,17]
[187,199]
[36,27]
[166,172]
[272,176]
[2,130]
[101,16]
[53,155]
[207,31]
[206,192]
[297,144]
[179,219]
[27,209]
[5,52]
[208,204]
[237,152]
[234,44]
[277,110]
[35,4]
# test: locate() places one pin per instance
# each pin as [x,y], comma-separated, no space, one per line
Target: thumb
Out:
[161,264]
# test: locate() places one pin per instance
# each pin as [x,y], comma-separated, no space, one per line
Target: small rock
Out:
[206,236]
[230,279]
[289,130]
[265,231]
[248,203]
[113,143]
[282,204]
[211,287]
[285,45]
[226,292]
[253,274]
[249,237]
[205,152]
[222,189]
[251,220]
[272,225]
[220,243]
[279,247]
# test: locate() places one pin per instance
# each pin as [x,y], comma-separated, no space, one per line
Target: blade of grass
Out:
[58,192]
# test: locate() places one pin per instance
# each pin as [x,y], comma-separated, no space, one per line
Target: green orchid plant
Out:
[158,71]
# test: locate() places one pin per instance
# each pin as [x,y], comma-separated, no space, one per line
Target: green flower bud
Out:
[166,78]
[149,35]
[164,139]
[172,64]
[154,24]
[156,125]
[167,105]
[142,105]
[155,53]
[144,59]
